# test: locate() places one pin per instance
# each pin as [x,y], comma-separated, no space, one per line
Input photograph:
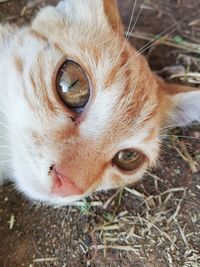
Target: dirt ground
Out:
[155,223]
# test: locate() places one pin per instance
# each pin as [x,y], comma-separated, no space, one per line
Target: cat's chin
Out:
[49,199]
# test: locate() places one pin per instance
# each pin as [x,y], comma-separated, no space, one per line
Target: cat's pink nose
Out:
[63,186]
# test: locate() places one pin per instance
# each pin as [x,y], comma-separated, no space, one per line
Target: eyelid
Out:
[130,173]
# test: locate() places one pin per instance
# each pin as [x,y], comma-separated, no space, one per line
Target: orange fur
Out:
[113,16]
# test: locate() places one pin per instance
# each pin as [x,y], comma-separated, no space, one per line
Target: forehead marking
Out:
[38,35]
[19,64]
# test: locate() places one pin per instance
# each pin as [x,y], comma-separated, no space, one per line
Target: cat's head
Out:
[87,110]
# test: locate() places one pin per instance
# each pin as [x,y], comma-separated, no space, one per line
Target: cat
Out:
[80,109]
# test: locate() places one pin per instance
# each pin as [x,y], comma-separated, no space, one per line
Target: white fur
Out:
[87,11]
[186,108]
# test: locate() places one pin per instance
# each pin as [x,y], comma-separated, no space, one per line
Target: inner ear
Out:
[113,16]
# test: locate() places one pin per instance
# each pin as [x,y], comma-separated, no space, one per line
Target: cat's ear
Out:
[93,9]
[112,13]
[181,104]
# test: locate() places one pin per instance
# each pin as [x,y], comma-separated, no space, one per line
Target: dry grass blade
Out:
[2,1]
[108,227]
[92,204]
[151,224]
[169,260]
[187,158]
[194,22]
[11,222]
[191,77]
[183,235]
[192,258]
[173,190]
[134,192]
[45,260]
[110,200]
[178,208]
[124,248]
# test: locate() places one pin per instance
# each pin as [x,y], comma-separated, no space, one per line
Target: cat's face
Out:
[85,120]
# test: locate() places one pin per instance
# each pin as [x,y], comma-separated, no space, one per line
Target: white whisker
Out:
[117,17]
[2,146]
[169,127]
[4,138]
[150,44]
[180,136]
[130,22]
[144,48]
[138,16]
[5,161]
[4,112]
[4,125]
[176,125]
[132,15]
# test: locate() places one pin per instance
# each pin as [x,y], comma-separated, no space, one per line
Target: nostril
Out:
[63,185]
[50,169]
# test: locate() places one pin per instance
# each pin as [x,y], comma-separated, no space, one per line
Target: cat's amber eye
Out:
[72,85]
[128,159]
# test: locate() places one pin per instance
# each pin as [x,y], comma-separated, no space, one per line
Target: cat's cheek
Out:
[29,173]
[30,185]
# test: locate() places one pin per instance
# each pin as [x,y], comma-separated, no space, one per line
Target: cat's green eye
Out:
[72,85]
[128,159]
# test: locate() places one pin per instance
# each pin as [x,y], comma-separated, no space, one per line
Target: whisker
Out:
[2,146]
[131,19]
[181,136]
[169,127]
[4,137]
[130,22]
[117,17]
[138,16]
[144,48]
[150,44]
[176,125]
[4,125]
[5,161]
[4,112]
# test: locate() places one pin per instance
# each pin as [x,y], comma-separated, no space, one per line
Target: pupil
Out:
[128,156]
[74,83]
[65,86]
